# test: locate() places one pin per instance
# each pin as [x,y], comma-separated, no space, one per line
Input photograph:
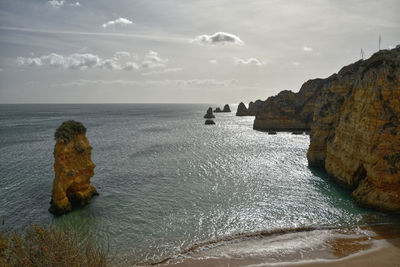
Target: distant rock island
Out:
[73,168]
[354,118]
[209,114]
[225,109]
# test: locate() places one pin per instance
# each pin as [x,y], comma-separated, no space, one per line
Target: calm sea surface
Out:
[167,181]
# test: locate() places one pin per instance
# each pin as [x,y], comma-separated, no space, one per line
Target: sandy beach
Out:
[365,246]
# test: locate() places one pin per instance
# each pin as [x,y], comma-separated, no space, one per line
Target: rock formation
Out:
[356,131]
[255,107]
[73,169]
[289,111]
[210,122]
[209,114]
[242,110]
[217,110]
[226,108]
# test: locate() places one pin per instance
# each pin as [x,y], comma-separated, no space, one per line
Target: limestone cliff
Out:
[73,168]
[289,111]
[356,131]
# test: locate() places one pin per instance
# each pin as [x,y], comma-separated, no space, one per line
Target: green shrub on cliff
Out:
[40,245]
[67,130]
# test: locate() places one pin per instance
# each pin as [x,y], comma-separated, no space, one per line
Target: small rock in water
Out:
[217,110]
[226,108]
[297,132]
[210,122]
[209,114]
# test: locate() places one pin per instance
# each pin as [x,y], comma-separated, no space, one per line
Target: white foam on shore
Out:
[286,249]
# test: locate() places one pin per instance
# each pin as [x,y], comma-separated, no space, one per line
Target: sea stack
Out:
[73,168]
[209,122]
[226,108]
[242,110]
[217,110]
[209,114]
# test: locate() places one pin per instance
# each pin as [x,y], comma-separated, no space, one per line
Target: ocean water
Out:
[166,180]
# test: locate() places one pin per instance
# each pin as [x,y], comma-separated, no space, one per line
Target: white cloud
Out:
[152,60]
[169,70]
[122,54]
[56,3]
[76,4]
[60,3]
[119,22]
[75,62]
[130,66]
[249,62]
[213,61]
[217,38]
[295,63]
[307,49]
[182,83]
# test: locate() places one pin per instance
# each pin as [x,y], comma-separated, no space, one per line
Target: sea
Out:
[166,180]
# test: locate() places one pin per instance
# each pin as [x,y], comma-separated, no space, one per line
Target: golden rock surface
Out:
[356,131]
[73,169]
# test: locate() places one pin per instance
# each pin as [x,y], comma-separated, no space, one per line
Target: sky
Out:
[180,51]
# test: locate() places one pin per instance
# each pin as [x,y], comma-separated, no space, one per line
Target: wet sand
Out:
[365,246]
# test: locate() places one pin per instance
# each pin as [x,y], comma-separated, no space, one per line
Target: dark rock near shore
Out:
[209,122]
[217,110]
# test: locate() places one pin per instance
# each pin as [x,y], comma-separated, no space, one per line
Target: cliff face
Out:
[289,111]
[73,169]
[356,131]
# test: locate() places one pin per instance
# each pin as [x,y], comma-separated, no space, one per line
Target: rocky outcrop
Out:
[209,114]
[73,168]
[356,131]
[242,110]
[217,110]
[255,107]
[289,111]
[226,108]
[209,122]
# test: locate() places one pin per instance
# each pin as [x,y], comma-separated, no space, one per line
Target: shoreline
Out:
[374,245]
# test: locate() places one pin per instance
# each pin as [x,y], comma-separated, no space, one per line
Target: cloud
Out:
[117,22]
[169,70]
[1,69]
[218,38]
[76,4]
[75,62]
[249,62]
[60,3]
[122,54]
[295,63]
[152,60]
[213,61]
[307,49]
[182,83]
[56,3]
